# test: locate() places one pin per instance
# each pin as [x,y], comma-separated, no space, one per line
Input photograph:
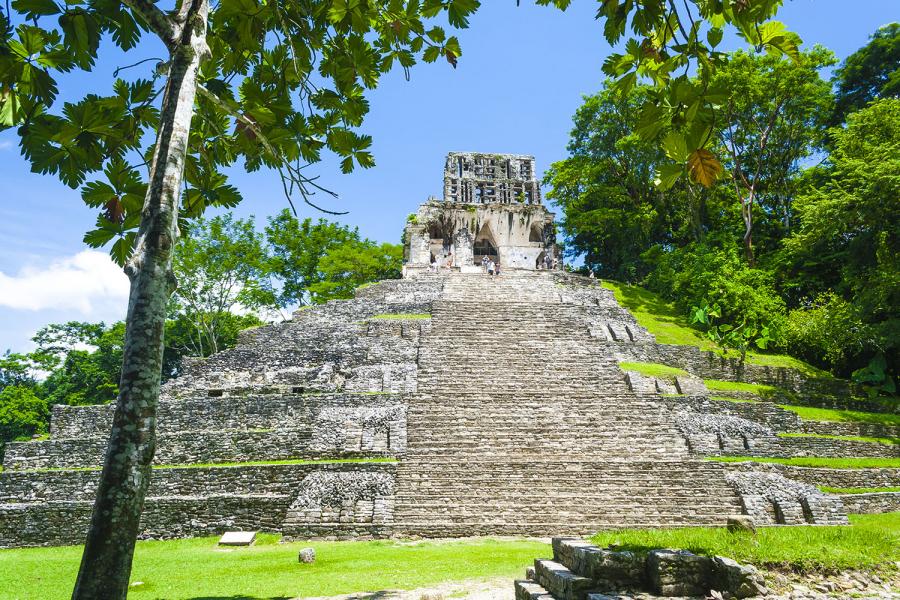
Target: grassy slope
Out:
[871,541]
[669,325]
[197,568]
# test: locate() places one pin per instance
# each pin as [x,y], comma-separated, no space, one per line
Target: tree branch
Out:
[294,176]
[158,21]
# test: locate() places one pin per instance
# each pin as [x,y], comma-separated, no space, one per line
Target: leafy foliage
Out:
[819,274]
[22,413]
[349,265]
[671,42]
[220,267]
[295,251]
[848,240]
[285,81]
[871,72]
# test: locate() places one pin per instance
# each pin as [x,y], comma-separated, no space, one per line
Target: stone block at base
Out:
[237,538]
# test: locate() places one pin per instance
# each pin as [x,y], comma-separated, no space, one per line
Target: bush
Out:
[829,333]
[22,414]
[703,274]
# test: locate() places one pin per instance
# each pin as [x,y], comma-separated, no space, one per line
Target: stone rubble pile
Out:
[581,571]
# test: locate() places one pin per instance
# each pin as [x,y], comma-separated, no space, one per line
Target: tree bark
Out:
[107,558]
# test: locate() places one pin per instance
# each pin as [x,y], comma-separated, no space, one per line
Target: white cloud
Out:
[88,283]
[5,144]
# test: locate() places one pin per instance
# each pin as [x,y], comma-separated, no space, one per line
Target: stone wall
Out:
[766,413]
[878,502]
[863,429]
[771,499]
[191,502]
[823,393]
[254,411]
[838,478]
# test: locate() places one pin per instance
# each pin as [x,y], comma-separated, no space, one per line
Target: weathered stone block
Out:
[307,556]
[237,538]
[743,581]
[678,572]
[738,523]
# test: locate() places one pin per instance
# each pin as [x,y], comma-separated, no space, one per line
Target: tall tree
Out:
[773,117]
[296,248]
[220,268]
[612,211]
[871,72]
[353,263]
[272,83]
[849,235]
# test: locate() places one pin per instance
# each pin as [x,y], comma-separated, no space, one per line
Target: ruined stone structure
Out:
[491,208]
[466,405]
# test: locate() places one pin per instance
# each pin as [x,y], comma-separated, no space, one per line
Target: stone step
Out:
[562,583]
[526,589]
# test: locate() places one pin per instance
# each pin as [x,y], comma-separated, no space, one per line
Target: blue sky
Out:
[520,79]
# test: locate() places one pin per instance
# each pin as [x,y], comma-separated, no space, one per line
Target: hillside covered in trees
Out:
[794,248]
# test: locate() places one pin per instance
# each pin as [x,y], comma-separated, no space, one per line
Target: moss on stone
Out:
[817,462]
[809,413]
[858,490]
[739,386]
[847,438]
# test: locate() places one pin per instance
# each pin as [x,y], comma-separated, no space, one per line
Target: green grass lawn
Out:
[812,461]
[848,438]
[870,490]
[652,369]
[669,325]
[843,416]
[198,569]
[871,541]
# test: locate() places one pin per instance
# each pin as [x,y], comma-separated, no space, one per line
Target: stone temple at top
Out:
[491,208]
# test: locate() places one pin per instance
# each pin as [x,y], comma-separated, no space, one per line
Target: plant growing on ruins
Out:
[740,337]
[271,84]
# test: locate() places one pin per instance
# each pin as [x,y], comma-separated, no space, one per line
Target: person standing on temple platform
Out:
[490,267]
[591,276]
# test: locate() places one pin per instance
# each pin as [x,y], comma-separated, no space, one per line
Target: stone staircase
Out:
[523,424]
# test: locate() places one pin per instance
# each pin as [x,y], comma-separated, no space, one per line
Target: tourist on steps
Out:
[484,261]
[497,268]
[490,267]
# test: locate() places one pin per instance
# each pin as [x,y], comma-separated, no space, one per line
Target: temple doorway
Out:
[485,245]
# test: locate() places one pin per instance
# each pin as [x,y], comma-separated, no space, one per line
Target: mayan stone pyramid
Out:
[449,403]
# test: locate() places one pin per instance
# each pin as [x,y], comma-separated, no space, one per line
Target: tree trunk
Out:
[748,238]
[106,562]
